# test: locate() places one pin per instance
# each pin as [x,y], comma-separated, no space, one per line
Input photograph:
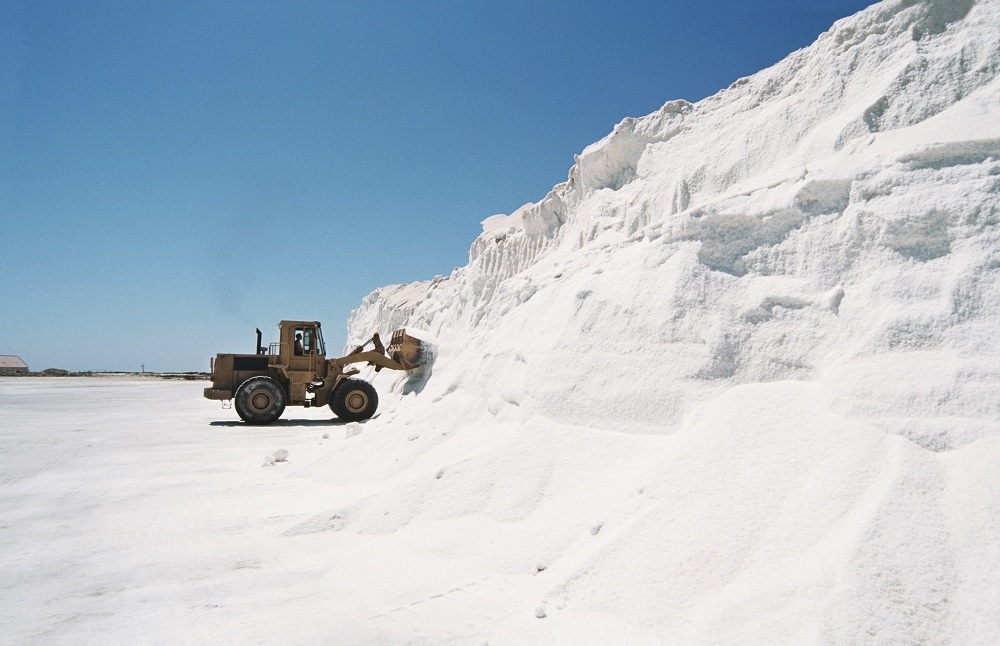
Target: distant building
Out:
[11,365]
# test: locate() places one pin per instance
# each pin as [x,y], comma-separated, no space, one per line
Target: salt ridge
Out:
[736,378]
[840,203]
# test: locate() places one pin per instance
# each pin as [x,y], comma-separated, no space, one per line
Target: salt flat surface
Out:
[137,512]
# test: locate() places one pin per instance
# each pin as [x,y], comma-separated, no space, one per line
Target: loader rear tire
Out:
[260,400]
[354,400]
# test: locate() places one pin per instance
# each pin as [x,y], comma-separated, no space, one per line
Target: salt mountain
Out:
[773,318]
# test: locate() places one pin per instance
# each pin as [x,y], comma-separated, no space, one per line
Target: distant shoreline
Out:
[189,376]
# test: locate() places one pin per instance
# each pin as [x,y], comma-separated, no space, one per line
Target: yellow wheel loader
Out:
[296,372]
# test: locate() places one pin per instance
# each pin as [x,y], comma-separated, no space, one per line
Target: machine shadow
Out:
[286,423]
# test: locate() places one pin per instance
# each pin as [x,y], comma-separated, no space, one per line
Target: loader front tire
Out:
[260,400]
[354,400]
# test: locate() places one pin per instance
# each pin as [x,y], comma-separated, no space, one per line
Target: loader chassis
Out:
[296,372]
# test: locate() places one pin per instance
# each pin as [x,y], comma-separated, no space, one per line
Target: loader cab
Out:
[307,341]
[301,343]
[301,358]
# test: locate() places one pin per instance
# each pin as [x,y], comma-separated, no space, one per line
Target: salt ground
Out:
[735,381]
[135,512]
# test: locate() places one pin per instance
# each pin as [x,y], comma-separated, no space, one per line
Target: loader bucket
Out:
[406,350]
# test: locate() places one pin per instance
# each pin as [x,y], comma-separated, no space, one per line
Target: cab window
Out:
[307,340]
[304,341]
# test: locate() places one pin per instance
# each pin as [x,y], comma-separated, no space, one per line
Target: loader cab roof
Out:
[298,323]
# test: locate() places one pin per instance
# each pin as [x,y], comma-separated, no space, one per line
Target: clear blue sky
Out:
[175,174]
